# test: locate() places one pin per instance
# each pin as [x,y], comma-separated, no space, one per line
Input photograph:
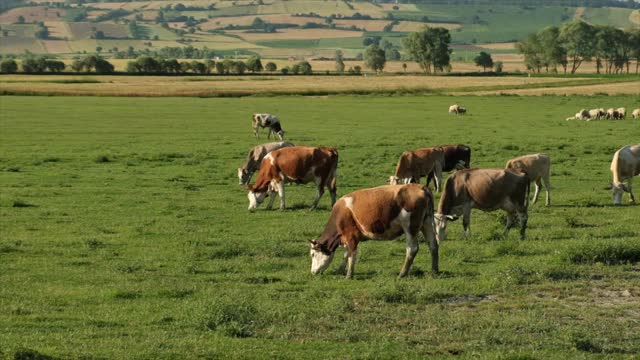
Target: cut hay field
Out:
[212,86]
[126,236]
[296,34]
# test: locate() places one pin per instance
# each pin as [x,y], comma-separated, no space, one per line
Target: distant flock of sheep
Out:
[601,114]
[406,207]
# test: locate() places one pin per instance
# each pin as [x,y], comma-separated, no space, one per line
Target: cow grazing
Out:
[380,213]
[594,114]
[455,157]
[487,190]
[636,114]
[415,164]
[622,113]
[299,164]
[267,121]
[624,166]
[254,159]
[538,168]
[457,109]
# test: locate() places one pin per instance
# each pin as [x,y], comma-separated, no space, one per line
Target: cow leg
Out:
[412,250]
[547,188]
[522,215]
[629,185]
[272,197]
[428,230]
[320,192]
[511,217]
[269,134]
[343,267]
[429,178]
[438,176]
[281,194]
[466,221]
[255,130]
[351,259]
[535,194]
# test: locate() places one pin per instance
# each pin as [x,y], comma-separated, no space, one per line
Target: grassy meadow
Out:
[124,234]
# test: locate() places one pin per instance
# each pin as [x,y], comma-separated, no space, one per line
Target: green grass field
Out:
[124,234]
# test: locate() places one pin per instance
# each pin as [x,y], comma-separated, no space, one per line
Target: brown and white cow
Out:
[415,164]
[299,164]
[624,166]
[456,157]
[487,190]
[254,159]
[380,213]
[267,121]
[538,169]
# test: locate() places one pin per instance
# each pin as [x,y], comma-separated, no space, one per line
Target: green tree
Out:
[220,69]
[429,48]
[238,67]
[21,19]
[497,67]
[227,65]
[55,65]
[553,50]
[271,67]
[392,54]
[374,58]
[42,32]
[578,38]
[103,66]
[147,64]
[484,59]
[77,65]
[532,51]
[339,62]
[254,64]
[198,67]
[304,68]
[8,66]
[634,41]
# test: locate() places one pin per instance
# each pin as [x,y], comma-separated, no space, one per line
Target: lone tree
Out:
[374,58]
[578,38]
[271,67]
[339,62]
[8,66]
[430,48]
[254,64]
[483,59]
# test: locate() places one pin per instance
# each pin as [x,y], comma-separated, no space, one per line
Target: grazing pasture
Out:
[125,234]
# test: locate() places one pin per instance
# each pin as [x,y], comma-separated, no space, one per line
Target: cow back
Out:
[453,154]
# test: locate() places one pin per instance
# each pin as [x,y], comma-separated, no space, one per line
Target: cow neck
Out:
[330,239]
[261,185]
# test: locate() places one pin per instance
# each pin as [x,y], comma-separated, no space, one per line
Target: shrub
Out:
[610,252]
[8,66]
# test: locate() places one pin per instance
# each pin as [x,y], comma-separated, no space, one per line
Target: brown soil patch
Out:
[33,14]
[499,46]
[58,29]
[297,34]
[410,26]
[57,46]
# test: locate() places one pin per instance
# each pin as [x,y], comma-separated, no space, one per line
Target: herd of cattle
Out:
[600,114]
[405,206]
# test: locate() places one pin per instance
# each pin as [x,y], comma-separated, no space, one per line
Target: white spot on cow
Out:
[348,202]
[270,158]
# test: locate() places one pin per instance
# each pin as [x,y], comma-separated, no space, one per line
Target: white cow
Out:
[636,114]
[624,166]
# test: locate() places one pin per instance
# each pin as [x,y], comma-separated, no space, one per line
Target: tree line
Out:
[573,43]
[152,65]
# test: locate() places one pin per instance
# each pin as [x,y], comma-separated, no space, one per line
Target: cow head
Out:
[441,225]
[281,134]
[617,190]
[244,176]
[256,197]
[321,257]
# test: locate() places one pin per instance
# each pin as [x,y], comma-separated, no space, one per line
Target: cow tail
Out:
[334,170]
[526,199]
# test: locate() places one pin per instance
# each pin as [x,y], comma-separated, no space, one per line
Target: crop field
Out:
[125,234]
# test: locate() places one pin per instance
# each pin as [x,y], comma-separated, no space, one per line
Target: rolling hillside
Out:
[274,28]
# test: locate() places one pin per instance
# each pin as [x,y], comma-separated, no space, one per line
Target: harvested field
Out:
[410,26]
[93,14]
[58,29]
[83,30]
[400,7]
[19,44]
[57,46]
[498,46]
[32,14]
[217,23]
[246,85]
[610,89]
[297,34]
